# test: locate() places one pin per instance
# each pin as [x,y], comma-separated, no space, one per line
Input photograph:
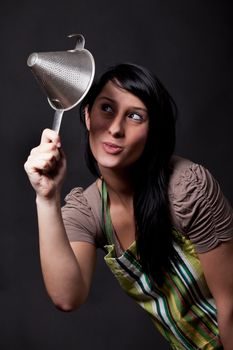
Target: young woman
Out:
[165,225]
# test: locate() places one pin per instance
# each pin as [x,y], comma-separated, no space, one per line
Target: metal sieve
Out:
[65,76]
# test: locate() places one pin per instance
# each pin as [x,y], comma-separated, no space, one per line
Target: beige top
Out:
[198,207]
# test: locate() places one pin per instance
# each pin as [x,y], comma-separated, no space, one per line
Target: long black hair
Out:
[152,170]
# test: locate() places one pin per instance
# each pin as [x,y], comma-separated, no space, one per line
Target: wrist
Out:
[49,201]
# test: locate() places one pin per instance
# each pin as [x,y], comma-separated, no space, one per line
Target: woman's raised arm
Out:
[67,270]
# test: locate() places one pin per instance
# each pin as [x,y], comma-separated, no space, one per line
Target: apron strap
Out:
[106,218]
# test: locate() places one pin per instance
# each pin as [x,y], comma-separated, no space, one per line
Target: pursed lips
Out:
[112,148]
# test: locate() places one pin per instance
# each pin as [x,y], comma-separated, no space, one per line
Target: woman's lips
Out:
[112,148]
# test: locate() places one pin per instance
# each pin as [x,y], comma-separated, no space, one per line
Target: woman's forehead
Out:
[113,91]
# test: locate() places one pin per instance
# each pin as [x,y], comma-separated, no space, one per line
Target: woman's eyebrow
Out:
[140,109]
[106,98]
[113,101]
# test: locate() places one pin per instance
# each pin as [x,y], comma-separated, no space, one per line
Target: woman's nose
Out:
[116,128]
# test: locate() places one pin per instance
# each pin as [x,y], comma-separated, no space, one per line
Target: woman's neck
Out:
[119,184]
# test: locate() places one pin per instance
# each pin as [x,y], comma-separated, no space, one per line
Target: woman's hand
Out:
[46,165]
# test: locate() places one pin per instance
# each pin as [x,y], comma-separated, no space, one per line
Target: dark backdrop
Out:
[188,44]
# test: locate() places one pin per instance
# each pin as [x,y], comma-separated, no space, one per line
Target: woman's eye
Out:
[106,108]
[136,117]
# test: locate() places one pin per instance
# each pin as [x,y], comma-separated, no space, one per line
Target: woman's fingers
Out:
[49,135]
[46,164]
[47,155]
[49,150]
[36,165]
[44,161]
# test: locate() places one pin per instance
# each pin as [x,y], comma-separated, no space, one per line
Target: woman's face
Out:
[118,126]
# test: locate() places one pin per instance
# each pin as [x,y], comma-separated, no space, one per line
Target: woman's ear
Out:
[87,118]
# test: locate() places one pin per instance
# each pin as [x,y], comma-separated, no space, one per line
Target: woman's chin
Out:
[111,165]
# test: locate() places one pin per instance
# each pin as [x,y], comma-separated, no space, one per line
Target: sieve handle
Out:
[57,120]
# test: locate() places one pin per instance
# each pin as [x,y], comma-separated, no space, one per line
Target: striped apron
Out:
[182,309]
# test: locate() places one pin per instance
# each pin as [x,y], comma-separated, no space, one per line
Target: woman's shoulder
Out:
[83,197]
[198,206]
[180,167]
[81,213]
[186,174]
[93,198]
[85,201]
[189,183]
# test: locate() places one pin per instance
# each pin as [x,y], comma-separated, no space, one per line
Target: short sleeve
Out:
[78,217]
[199,208]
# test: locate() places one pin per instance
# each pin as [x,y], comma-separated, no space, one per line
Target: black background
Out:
[188,44]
